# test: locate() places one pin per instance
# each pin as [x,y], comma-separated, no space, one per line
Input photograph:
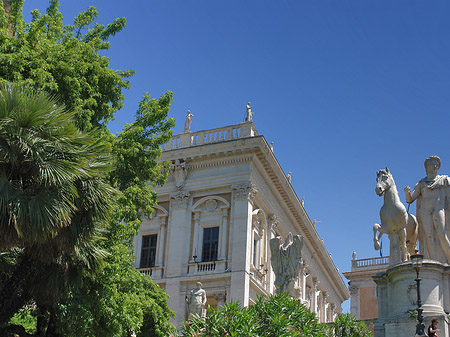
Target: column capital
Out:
[179,199]
[353,290]
[245,191]
[224,211]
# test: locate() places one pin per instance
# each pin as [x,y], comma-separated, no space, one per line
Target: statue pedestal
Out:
[397,296]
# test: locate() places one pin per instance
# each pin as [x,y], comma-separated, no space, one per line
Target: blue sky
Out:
[344,88]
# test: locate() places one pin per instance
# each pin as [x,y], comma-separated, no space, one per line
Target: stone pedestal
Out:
[397,296]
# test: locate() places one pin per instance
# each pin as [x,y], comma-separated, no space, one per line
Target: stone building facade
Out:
[226,197]
[363,289]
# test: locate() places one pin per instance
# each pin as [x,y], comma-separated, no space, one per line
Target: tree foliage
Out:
[65,248]
[346,325]
[276,316]
[97,308]
[54,198]
[64,60]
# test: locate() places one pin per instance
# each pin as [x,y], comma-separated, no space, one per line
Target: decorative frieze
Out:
[179,199]
[246,191]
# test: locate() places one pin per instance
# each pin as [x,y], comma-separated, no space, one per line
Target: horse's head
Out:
[384,181]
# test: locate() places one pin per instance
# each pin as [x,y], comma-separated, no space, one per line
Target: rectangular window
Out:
[148,252]
[210,244]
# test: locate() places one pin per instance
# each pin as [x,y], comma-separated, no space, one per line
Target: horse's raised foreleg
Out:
[402,242]
[376,238]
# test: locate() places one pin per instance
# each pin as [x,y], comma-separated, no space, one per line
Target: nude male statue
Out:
[196,300]
[431,195]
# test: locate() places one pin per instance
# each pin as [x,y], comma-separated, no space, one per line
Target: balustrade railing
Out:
[210,267]
[153,272]
[371,262]
[187,139]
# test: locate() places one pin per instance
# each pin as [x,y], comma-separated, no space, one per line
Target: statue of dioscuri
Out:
[196,301]
[395,221]
[433,211]
[286,263]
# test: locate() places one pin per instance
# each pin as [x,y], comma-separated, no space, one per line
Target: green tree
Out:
[54,197]
[97,308]
[63,60]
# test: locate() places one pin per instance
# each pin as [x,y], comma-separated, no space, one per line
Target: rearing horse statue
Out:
[394,218]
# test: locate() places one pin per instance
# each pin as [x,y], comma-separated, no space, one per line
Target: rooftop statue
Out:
[395,221]
[433,211]
[286,263]
[249,113]
[187,123]
[196,300]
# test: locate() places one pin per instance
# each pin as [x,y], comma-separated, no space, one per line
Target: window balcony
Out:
[210,267]
[155,273]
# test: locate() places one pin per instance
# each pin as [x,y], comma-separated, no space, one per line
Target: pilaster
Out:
[241,249]
[179,232]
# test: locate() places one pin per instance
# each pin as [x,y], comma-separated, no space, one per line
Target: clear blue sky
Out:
[344,88]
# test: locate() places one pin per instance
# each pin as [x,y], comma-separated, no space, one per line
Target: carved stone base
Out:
[397,296]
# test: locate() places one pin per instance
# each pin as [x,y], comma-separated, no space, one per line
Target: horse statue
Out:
[394,217]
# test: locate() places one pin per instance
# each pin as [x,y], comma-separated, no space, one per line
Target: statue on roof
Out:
[187,123]
[249,114]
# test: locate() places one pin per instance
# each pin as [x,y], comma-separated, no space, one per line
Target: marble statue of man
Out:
[196,300]
[249,113]
[187,123]
[432,210]
[286,263]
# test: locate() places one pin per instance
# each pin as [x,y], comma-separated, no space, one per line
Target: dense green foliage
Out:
[54,198]
[71,200]
[118,299]
[276,316]
[346,325]
[62,60]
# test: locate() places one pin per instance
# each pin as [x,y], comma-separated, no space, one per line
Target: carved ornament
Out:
[246,191]
[179,199]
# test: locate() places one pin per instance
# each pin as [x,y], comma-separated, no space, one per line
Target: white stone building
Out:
[226,197]
[362,287]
